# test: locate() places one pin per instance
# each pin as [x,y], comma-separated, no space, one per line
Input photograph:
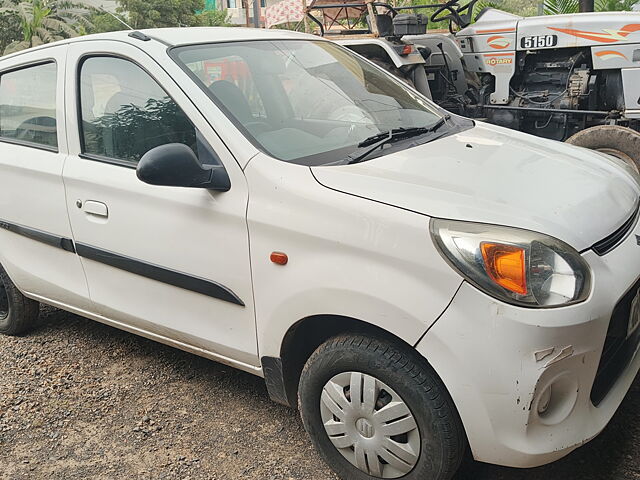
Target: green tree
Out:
[44,21]
[213,18]
[9,30]
[615,5]
[161,13]
[525,8]
[556,7]
[104,22]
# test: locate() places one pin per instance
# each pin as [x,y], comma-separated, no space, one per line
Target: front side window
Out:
[125,113]
[306,102]
[28,105]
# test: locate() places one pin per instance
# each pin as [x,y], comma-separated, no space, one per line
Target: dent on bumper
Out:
[497,360]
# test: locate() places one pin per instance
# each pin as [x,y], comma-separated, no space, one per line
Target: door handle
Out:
[99,209]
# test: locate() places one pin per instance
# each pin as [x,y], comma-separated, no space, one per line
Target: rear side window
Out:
[125,113]
[28,105]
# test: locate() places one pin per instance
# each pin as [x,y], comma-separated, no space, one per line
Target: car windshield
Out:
[302,101]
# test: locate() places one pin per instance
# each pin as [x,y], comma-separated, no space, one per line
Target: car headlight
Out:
[516,266]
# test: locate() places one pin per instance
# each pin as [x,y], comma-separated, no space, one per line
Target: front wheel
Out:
[375,409]
[621,142]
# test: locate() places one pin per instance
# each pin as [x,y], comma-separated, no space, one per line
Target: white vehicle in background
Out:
[414,281]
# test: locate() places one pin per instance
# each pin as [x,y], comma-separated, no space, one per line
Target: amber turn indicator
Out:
[506,266]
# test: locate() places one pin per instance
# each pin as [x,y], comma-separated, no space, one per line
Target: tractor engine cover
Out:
[549,80]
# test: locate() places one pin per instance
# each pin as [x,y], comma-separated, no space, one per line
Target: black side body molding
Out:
[161,274]
[39,235]
[138,267]
[274,378]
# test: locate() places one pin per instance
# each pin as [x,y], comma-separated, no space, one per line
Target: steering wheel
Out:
[466,18]
[460,15]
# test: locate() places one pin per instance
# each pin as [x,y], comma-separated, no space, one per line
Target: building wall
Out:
[237,11]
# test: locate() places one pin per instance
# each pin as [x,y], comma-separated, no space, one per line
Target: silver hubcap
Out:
[370,425]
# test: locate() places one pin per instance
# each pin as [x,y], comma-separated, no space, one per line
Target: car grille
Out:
[612,241]
[618,349]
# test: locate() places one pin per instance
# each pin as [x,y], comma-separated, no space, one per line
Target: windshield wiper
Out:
[380,139]
[436,126]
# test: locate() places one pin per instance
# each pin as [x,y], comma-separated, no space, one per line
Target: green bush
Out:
[213,18]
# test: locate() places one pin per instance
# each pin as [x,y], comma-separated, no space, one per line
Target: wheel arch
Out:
[300,341]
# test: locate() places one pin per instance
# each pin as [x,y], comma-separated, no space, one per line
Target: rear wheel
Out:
[375,409]
[17,313]
[621,142]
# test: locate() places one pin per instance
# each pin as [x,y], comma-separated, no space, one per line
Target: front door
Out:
[169,261]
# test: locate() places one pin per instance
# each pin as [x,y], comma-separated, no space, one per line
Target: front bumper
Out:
[498,361]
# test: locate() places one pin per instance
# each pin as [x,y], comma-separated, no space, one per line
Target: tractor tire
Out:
[621,142]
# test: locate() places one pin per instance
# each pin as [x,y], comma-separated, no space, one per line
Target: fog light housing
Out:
[544,400]
[557,398]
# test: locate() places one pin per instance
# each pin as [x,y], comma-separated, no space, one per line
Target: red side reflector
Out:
[406,50]
[279,258]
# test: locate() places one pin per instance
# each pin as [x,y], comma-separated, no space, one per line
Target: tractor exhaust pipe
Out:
[587,6]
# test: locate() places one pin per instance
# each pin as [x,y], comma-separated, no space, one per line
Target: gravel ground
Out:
[80,400]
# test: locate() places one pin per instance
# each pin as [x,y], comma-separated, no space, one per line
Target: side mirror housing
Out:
[175,165]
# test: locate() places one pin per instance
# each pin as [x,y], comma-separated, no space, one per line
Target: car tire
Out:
[17,312]
[616,140]
[375,444]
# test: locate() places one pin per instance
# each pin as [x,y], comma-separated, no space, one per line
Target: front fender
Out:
[348,256]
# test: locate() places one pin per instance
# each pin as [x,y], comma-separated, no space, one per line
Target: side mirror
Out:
[175,165]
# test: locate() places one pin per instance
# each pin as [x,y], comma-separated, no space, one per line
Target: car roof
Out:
[185,36]
[182,36]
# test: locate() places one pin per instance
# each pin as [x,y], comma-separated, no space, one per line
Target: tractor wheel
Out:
[621,142]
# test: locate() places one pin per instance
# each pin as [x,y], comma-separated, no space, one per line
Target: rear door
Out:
[35,235]
[171,262]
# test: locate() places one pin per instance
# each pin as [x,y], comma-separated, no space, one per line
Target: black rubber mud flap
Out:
[274,378]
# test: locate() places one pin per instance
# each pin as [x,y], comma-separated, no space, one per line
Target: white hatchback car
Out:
[415,282]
